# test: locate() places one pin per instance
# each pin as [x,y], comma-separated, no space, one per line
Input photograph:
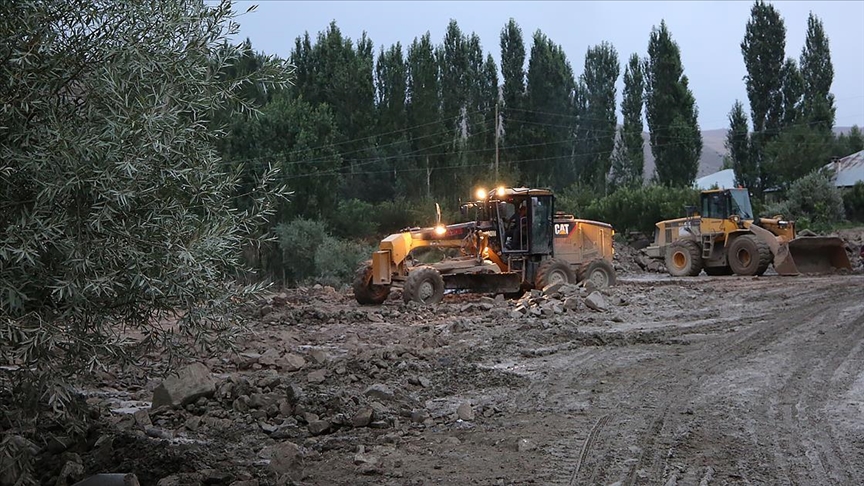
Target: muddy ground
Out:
[704,380]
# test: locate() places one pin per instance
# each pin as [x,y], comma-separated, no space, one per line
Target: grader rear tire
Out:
[599,272]
[553,270]
[424,285]
[684,259]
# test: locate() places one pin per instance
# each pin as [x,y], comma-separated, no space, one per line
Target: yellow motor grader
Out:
[724,238]
[515,242]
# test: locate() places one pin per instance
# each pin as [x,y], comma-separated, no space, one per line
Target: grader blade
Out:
[818,254]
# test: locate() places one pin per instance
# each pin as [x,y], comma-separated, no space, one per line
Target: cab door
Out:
[541,223]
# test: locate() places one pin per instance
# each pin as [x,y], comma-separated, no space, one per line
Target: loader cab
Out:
[723,204]
[524,220]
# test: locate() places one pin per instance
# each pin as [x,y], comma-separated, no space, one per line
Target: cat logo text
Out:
[562,229]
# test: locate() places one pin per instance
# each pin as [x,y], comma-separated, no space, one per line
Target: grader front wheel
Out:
[423,285]
[365,292]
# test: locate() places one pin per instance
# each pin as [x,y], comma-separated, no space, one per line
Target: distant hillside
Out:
[713,150]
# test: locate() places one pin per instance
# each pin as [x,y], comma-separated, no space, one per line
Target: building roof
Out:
[725,179]
[848,170]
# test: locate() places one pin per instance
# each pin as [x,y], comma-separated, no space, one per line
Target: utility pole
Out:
[496,140]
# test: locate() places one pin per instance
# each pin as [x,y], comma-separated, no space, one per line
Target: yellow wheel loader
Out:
[724,238]
[515,242]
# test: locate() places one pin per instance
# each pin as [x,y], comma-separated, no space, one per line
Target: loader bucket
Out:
[818,254]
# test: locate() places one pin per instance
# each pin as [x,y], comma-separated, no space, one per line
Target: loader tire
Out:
[748,256]
[683,259]
[553,270]
[424,285]
[599,272]
[365,292]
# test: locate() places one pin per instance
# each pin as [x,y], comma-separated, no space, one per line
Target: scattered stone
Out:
[184,387]
[318,427]
[319,356]
[525,445]
[596,301]
[465,412]
[552,288]
[317,376]
[269,357]
[419,416]
[362,418]
[292,362]
[379,391]
[284,458]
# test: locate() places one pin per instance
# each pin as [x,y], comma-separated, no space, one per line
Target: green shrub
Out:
[853,202]
[298,243]
[310,254]
[633,209]
[813,201]
[336,260]
[354,219]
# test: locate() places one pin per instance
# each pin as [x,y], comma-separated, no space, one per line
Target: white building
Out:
[848,170]
[725,179]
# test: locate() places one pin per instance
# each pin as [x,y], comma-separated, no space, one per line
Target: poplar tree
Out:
[676,140]
[629,160]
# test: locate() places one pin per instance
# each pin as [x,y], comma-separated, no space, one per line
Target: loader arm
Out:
[794,255]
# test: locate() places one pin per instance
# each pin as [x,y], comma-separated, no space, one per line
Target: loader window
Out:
[741,203]
[514,220]
[714,206]
[541,225]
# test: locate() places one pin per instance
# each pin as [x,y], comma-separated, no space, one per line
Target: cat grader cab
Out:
[515,242]
[724,238]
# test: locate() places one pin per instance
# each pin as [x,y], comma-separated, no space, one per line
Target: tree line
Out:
[362,126]
[435,120]
[792,108]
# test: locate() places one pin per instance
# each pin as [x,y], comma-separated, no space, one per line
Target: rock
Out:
[465,412]
[525,445]
[317,376]
[292,362]
[379,391]
[192,423]
[181,479]
[318,427]
[184,387]
[158,433]
[269,357]
[319,356]
[362,418]
[419,381]
[362,458]
[596,301]
[553,288]
[294,394]
[142,418]
[212,476]
[572,303]
[249,482]
[419,416]
[284,458]
[491,301]
[71,472]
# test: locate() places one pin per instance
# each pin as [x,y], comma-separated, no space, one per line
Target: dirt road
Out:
[721,380]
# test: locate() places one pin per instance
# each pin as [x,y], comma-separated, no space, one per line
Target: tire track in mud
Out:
[800,401]
[652,462]
[671,388]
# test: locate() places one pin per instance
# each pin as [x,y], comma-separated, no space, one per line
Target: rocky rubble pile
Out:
[560,298]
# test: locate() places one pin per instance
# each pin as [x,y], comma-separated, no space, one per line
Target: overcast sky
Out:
[709,34]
